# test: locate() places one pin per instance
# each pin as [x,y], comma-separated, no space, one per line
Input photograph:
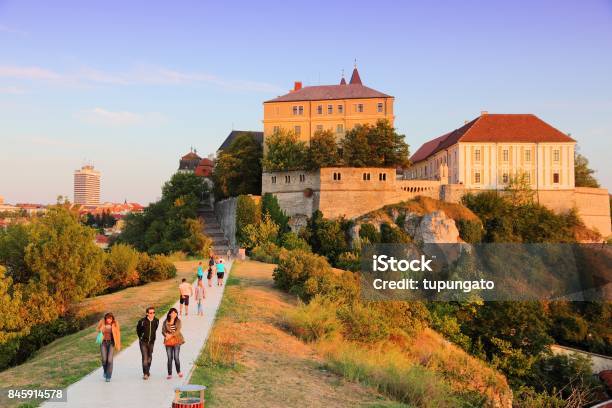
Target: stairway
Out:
[212,229]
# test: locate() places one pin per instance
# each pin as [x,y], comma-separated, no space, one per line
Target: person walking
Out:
[200,270]
[145,329]
[173,339]
[209,276]
[110,336]
[200,295]
[220,272]
[185,291]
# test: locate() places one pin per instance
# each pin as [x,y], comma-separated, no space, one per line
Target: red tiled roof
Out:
[206,162]
[355,78]
[191,156]
[526,128]
[327,92]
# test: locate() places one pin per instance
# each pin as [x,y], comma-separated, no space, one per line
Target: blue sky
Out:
[130,86]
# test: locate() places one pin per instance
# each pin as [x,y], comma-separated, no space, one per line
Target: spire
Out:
[343,81]
[355,79]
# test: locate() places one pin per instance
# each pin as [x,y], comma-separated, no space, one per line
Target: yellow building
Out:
[338,108]
[486,152]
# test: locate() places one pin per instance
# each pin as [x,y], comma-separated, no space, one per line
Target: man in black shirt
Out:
[145,329]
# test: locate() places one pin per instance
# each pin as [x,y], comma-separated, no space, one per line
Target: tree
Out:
[269,205]
[63,257]
[13,243]
[374,146]
[323,150]
[284,152]
[120,267]
[238,168]
[263,232]
[519,189]
[247,212]
[583,174]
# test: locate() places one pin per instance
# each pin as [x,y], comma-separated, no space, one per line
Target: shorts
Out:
[184,300]
[220,275]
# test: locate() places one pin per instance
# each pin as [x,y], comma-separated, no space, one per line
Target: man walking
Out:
[185,290]
[145,329]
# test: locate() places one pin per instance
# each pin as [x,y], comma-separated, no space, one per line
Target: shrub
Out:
[470,231]
[326,237]
[290,241]
[267,252]
[393,235]
[155,268]
[314,321]
[349,261]
[363,324]
[269,204]
[120,267]
[247,212]
[369,232]
[261,233]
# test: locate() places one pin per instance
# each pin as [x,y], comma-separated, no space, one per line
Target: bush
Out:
[121,267]
[326,237]
[314,321]
[369,232]
[349,261]
[291,241]
[363,324]
[269,204]
[247,212]
[393,235]
[261,233]
[155,268]
[470,231]
[267,252]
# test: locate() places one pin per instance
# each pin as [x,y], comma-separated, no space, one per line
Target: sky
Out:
[130,86]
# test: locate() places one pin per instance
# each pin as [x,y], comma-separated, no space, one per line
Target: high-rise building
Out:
[87,186]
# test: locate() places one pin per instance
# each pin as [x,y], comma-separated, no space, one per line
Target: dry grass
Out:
[266,365]
[69,358]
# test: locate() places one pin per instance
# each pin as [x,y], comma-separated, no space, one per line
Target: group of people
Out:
[109,333]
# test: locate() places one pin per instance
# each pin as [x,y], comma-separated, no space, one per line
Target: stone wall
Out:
[593,206]
[225,210]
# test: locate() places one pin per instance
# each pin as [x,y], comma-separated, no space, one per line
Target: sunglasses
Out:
[150,312]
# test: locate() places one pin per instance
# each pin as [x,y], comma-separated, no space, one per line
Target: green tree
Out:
[13,243]
[326,237]
[258,234]
[120,267]
[269,205]
[374,146]
[583,174]
[238,168]
[518,190]
[247,212]
[64,258]
[323,150]
[284,152]
[356,149]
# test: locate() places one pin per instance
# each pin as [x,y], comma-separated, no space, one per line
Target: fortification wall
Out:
[225,210]
[593,206]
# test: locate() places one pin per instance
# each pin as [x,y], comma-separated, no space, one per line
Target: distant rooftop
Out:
[258,136]
[353,90]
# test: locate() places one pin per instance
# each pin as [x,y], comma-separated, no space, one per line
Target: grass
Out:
[70,358]
[251,360]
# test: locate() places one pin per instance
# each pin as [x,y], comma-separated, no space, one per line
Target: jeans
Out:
[173,353]
[146,350]
[106,351]
[200,307]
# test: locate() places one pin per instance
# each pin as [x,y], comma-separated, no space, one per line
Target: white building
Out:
[87,186]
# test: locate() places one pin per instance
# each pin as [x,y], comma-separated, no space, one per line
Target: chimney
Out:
[483,113]
[297,85]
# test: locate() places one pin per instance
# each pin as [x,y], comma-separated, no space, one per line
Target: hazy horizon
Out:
[130,87]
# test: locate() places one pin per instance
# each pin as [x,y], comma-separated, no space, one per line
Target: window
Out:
[319,128]
[276,129]
[382,176]
[505,155]
[302,178]
[379,107]
[556,155]
[297,130]
[477,155]
[340,128]
[337,176]
[359,107]
[287,179]
[505,178]
[298,110]
[340,108]
[273,179]
[366,176]
[477,177]
[528,155]
[556,177]
[319,109]
[295,110]
[301,110]
[330,109]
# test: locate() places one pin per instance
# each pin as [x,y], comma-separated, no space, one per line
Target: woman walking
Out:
[209,276]
[220,272]
[173,339]
[109,335]
[200,295]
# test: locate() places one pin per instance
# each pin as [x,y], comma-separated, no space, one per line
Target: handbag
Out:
[171,341]
[99,338]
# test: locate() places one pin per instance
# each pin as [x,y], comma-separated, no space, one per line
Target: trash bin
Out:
[189,401]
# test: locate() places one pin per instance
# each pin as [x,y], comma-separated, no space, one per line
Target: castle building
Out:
[488,151]
[306,110]
[189,162]
[87,186]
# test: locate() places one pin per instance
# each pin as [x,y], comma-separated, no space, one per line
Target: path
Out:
[127,389]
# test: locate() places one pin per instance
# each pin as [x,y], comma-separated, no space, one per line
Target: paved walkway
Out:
[127,389]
